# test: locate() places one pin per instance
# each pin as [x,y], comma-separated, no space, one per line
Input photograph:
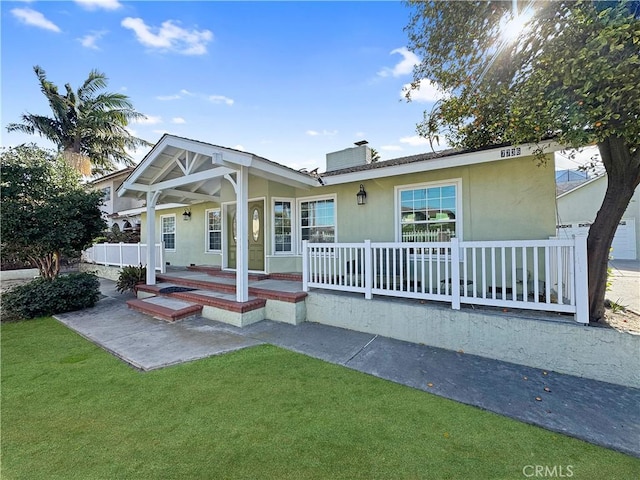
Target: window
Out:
[318,220]
[168,225]
[214,230]
[106,194]
[429,213]
[282,226]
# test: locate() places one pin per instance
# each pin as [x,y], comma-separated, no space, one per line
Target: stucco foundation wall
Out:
[561,346]
[110,273]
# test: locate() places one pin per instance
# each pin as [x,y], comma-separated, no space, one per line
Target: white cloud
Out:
[404,67]
[99,4]
[168,97]
[149,120]
[221,99]
[426,92]
[178,120]
[326,133]
[391,148]
[415,141]
[169,37]
[90,40]
[34,18]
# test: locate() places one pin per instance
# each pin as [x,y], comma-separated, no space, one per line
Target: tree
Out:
[46,212]
[88,127]
[375,155]
[569,71]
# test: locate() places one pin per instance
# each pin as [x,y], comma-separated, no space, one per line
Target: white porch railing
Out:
[547,275]
[122,254]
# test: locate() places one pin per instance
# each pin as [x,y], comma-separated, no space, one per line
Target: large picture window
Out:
[168,226]
[282,226]
[428,213]
[214,230]
[318,220]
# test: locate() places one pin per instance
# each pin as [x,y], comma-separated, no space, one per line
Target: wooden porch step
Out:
[199,297]
[167,310]
[261,293]
[218,272]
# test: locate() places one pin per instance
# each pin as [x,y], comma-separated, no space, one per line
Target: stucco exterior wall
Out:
[510,199]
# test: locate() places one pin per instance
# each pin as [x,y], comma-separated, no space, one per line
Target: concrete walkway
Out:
[597,412]
[625,284]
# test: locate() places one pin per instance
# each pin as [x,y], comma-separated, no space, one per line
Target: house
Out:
[497,193]
[260,240]
[577,209]
[121,211]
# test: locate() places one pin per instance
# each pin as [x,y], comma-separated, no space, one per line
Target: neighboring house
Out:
[569,179]
[491,194]
[578,207]
[125,212]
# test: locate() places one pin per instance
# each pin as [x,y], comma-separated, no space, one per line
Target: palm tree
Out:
[88,127]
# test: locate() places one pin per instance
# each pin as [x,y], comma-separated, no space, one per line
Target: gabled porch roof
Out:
[190,171]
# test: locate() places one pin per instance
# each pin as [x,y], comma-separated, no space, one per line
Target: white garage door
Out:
[624,242]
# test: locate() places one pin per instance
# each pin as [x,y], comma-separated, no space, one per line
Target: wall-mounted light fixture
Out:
[361,196]
[186,216]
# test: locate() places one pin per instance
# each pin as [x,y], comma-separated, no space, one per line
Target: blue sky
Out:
[289,81]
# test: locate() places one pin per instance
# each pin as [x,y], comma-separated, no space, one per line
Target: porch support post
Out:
[152,198]
[581,278]
[242,231]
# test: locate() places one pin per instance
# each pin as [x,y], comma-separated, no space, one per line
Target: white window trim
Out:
[456,182]
[206,231]
[175,231]
[333,197]
[294,225]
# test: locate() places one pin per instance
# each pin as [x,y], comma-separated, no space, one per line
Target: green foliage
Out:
[572,72]
[88,126]
[46,212]
[129,277]
[41,296]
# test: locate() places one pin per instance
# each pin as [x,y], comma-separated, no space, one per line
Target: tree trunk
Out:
[623,176]
[49,265]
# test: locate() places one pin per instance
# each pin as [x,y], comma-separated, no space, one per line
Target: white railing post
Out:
[163,264]
[139,253]
[455,274]
[368,271]
[121,259]
[581,278]
[305,266]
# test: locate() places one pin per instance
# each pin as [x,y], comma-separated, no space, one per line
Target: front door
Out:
[256,235]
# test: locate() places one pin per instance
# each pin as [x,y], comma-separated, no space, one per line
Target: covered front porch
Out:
[191,174]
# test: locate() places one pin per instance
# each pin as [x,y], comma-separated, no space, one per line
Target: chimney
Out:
[349,157]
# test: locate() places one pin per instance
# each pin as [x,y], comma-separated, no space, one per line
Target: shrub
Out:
[129,277]
[43,297]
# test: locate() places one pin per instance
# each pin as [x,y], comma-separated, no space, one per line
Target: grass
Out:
[72,411]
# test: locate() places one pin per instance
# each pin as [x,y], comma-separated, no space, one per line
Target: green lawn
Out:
[70,410]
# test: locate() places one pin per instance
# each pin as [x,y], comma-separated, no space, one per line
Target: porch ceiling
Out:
[189,171]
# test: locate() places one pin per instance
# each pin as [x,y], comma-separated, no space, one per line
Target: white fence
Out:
[548,275]
[122,254]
